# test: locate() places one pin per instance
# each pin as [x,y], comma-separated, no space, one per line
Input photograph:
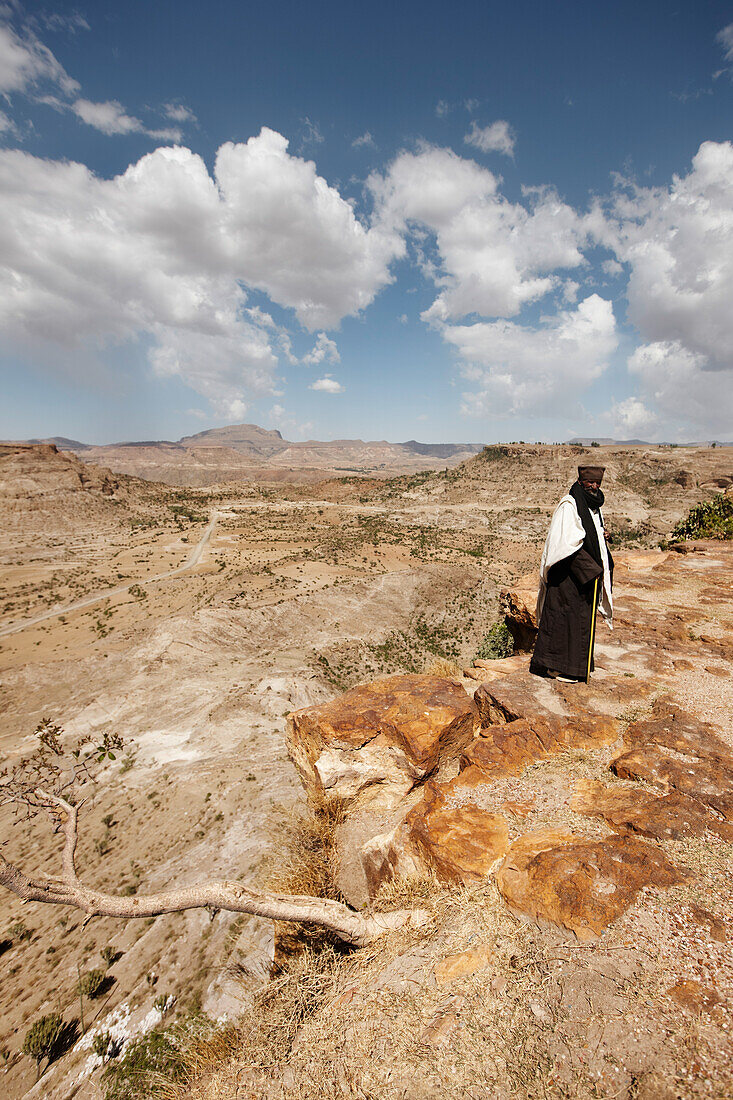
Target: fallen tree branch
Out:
[352,927]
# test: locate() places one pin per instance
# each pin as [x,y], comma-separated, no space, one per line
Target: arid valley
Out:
[192,618]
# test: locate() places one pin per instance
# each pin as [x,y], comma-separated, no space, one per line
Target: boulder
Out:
[518,606]
[553,877]
[631,810]
[381,737]
[708,781]
[507,749]
[457,844]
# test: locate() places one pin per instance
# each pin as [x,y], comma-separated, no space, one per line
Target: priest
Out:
[576,576]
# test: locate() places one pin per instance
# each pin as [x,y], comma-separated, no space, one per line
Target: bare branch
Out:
[354,928]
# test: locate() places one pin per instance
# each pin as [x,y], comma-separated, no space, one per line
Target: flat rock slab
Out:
[509,748]
[708,781]
[663,817]
[552,876]
[673,728]
[388,733]
[520,695]
[457,844]
[462,965]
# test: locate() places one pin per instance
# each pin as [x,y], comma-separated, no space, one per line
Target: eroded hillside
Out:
[299,592]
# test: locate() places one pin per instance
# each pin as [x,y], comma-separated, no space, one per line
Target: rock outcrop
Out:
[382,737]
[439,785]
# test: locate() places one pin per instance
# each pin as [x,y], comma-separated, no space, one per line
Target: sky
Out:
[470,222]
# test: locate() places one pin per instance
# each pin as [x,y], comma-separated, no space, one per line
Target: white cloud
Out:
[310,134]
[495,256]
[110,117]
[678,243]
[611,267]
[71,22]
[29,68]
[676,382]
[323,350]
[364,141]
[537,370]
[294,237]
[163,252]
[177,112]
[442,108]
[496,138]
[725,38]
[25,63]
[631,417]
[327,384]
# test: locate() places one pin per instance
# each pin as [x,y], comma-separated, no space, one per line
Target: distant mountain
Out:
[441,450]
[245,438]
[606,441]
[62,443]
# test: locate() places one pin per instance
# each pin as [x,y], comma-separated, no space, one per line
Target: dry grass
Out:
[443,666]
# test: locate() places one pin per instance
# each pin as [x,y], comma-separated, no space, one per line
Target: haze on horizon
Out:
[491,222]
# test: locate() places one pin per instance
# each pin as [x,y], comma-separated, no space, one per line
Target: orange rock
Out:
[636,811]
[694,997]
[581,885]
[464,964]
[675,729]
[708,781]
[386,734]
[458,844]
[507,749]
[518,607]
[519,808]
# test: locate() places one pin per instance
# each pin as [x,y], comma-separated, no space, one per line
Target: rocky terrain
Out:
[307,591]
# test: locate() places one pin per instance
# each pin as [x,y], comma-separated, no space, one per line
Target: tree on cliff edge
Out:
[56,780]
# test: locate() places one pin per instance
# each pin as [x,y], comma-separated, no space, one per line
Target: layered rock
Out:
[552,876]
[518,606]
[508,748]
[457,844]
[630,810]
[708,781]
[380,737]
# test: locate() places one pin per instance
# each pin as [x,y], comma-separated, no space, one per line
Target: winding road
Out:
[192,562]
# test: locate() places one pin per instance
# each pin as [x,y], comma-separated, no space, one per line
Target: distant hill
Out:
[246,452]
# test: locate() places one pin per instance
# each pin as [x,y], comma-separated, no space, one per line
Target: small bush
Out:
[48,1037]
[91,983]
[498,643]
[712,519]
[152,1063]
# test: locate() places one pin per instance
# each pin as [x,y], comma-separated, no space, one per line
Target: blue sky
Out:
[468,222]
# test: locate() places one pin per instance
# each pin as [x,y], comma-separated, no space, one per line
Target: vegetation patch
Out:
[711,519]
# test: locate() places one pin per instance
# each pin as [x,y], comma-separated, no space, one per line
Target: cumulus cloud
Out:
[165,253]
[323,350]
[495,256]
[631,417]
[535,370]
[496,138]
[678,383]
[678,243]
[327,384]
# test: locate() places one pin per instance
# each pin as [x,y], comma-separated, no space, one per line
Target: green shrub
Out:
[90,984]
[712,519]
[498,643]
[42,1038]
[153,1062]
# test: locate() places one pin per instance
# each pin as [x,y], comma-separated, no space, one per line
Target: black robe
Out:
[566,634]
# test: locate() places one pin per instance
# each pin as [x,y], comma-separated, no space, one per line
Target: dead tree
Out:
[52,781]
